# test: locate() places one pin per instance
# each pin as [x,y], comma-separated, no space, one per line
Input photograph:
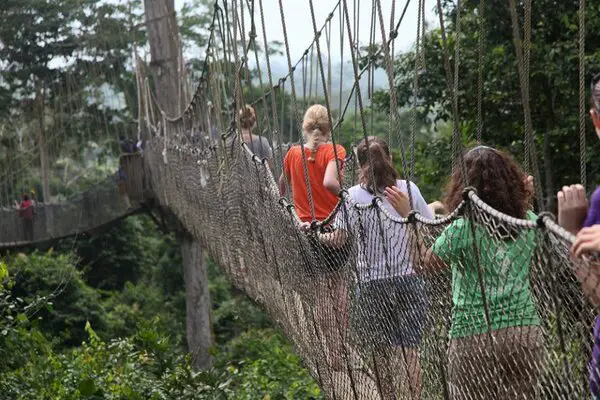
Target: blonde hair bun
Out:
[247,117]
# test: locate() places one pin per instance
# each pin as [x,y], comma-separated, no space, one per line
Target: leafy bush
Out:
[140,367]
[71,303]
[142,302]
[136,349]
[262,365]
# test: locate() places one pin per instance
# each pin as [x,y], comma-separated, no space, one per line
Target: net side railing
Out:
[370,316]
[85,212]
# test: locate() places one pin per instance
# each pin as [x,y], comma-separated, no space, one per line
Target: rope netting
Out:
[474,305]
[101,205]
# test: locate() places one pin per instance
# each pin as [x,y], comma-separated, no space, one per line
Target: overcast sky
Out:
[300,28]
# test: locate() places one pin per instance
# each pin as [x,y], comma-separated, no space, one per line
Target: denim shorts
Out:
[390,312]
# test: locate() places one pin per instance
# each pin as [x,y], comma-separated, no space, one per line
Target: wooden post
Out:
[198,324]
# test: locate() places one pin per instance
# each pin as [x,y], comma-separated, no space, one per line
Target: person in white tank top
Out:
[390,300]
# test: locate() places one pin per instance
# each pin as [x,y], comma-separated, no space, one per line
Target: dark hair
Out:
[247,117]
[375,163]
[498,179]
[595,96]
[25,197]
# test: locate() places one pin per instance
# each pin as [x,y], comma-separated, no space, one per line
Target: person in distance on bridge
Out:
[259,145]
[495,334]
[312,173]
[390,305]
[27,212]
[575,216]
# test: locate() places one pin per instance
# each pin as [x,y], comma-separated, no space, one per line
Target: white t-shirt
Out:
[374,260]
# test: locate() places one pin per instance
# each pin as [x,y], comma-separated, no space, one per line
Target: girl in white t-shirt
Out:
[389,307]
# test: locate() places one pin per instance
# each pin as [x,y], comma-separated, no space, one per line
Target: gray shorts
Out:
[390,312]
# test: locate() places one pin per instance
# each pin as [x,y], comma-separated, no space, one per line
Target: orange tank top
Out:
[323,200]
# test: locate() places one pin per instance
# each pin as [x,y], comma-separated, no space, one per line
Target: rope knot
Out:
[412,216]
[343,194]
[376,201]
[541,219]
[468,190]
[314,225]
[393,34]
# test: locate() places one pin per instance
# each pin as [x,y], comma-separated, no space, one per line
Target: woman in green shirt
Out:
[496,342]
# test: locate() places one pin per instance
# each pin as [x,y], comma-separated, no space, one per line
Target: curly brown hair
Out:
[498,179]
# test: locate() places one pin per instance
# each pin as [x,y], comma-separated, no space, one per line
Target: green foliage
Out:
[232,314]
[137,347]
[252,362]
[553,84]
[265,367]
[53,276]
[140,367]
[144,366]
[120,255]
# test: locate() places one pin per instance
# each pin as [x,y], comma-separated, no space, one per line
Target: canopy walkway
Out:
[229,199]
[93,210]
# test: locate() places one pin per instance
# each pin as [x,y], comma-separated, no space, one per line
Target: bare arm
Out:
[430,262]
[282,184]
[335,239]
[588,273]
[330,180]
[437,207]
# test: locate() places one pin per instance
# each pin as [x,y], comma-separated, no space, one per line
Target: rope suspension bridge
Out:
[370,319]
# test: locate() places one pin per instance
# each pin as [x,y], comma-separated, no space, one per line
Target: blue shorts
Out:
[390,312]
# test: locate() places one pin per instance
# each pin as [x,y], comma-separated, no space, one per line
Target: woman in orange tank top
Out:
[321,156]
[319,163]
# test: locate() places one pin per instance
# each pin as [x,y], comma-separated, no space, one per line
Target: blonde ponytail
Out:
[316,128]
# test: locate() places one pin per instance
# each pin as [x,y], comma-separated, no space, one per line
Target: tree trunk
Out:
[163,35]
[44,163]
[165,54]
[198,325]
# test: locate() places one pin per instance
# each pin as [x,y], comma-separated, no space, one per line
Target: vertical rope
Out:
[394,117]
[358,89]
[456,137]
[582,107]
[526,63]
[523,68]
[392,52]
[480,58]
[295,109]
[452,85]
[418,65]
[325,88]
[281,87]
[342,36]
